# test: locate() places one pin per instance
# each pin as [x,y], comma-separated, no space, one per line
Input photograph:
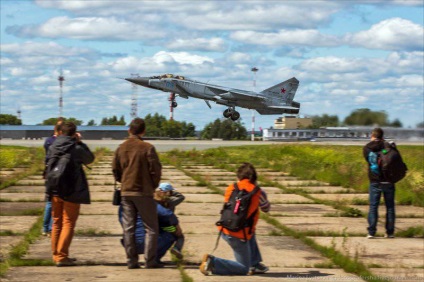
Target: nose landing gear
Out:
[231,113]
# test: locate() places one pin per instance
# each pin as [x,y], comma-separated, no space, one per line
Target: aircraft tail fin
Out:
[283,92]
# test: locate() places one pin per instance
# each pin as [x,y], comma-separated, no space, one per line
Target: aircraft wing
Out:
[234,94]
[283,107]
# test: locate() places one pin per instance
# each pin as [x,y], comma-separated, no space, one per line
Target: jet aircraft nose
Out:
[143,81]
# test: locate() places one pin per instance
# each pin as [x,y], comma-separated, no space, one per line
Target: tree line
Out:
[158,126]
[360,117]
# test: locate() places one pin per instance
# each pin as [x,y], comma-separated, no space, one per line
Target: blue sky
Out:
[346,54]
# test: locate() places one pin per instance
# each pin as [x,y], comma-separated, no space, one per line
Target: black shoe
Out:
[65,262]
[134,266]
[156,265]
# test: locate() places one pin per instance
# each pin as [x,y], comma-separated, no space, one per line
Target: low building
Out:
[292,122]
[354,132]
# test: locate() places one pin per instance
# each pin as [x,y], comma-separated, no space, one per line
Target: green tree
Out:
[188,129]
[367,117]
[53,121]
[74,120]
[91,123]
[396,123]
[158,126]
[420,125]
[324,121]
[172,129]
[225,129]
[10,119]
[113,121]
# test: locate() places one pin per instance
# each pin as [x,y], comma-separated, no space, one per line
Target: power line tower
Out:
[61,79]
[254,70]
[133,113]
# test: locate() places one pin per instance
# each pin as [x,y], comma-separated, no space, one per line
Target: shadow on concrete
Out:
[303,274]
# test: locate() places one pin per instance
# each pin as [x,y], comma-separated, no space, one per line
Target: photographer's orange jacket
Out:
[244,184]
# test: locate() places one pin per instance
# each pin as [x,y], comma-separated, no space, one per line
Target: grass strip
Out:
[348,264]
[20,249]
[345,262]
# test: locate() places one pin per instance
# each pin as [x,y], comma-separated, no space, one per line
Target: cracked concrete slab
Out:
[382,251]
[17,224]
[308,210]
[114,273]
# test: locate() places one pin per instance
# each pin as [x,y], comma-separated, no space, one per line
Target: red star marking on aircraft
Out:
[283,90]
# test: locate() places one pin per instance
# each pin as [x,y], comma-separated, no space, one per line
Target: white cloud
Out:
[200,44]
[390,34]
[88,28]
[184,58]
[286,37]
[31,48]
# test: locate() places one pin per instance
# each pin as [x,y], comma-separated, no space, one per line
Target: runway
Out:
[168,145]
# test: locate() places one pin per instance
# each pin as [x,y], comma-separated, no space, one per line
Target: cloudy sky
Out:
[346,54]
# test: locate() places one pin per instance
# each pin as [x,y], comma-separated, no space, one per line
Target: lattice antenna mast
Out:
[61,79]
[254,70]
[133,113]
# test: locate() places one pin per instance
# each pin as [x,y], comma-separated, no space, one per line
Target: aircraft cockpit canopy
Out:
[168,75]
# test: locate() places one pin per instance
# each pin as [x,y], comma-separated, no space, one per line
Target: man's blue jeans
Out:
[48,220]
[246,254]
[375,191]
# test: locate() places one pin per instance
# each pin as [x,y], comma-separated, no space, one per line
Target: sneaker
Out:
[65,262]
[369,236]
[260,268]
[206,265]
[177,253]
[389,236]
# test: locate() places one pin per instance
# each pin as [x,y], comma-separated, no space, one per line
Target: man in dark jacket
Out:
[136,165]
[378,185]
[71,192]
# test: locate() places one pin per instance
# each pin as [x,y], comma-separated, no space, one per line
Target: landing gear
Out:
[231,113]
[172,105]
[227,113]
[235,116]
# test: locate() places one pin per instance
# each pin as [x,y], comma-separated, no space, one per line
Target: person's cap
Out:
[166,187]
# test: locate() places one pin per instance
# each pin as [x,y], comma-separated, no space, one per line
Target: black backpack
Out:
[59,174]
[391,164]
[234,212]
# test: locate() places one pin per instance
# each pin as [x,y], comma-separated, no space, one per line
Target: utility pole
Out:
[133,112]
[254,70]
[61,79]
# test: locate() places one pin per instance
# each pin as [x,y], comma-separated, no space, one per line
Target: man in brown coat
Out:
[136,165]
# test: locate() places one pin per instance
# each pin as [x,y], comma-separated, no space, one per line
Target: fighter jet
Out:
[277,99]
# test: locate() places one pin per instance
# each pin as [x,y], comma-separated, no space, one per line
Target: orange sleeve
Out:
[254,203]
[228,192]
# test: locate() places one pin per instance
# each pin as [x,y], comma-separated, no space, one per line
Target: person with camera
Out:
[71,190]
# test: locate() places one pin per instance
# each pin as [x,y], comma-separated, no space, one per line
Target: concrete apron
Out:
[102,258]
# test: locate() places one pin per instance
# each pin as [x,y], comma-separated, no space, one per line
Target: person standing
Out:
[66,201]
[378,185]
[137,167]
[47,219]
